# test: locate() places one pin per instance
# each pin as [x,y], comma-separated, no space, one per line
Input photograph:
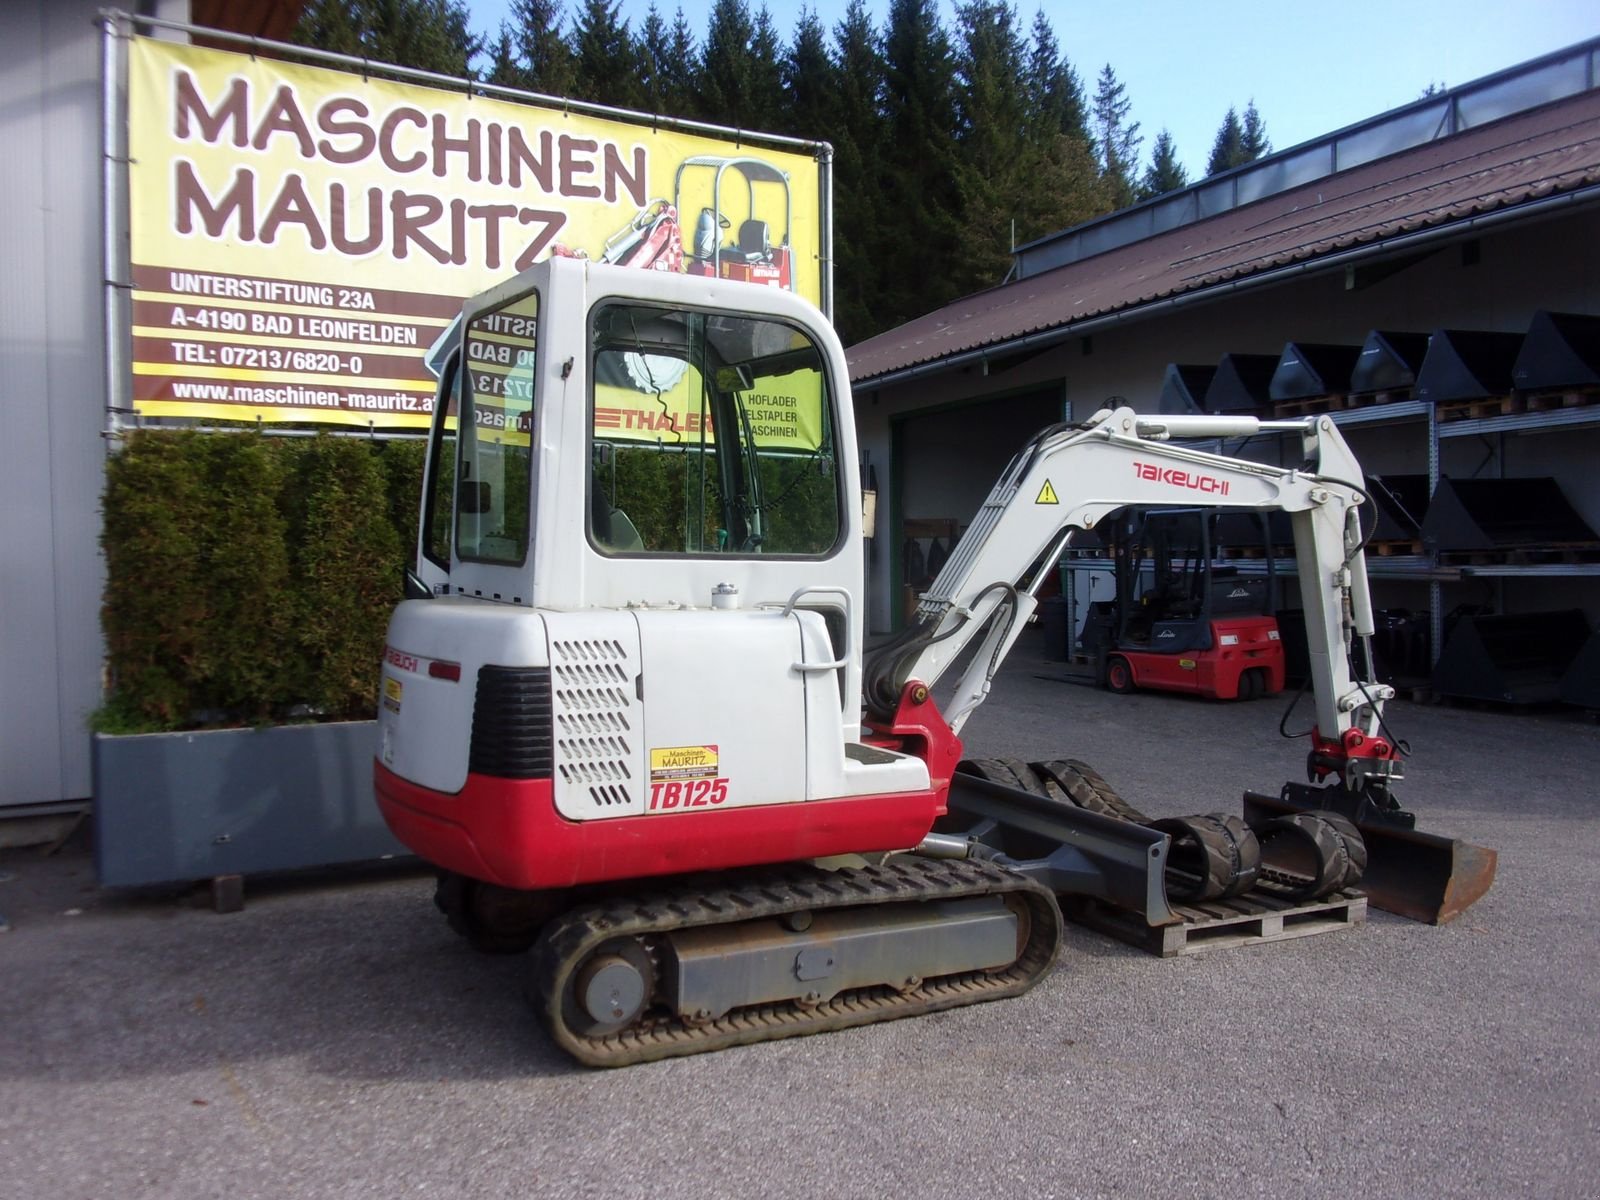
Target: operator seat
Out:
[613,530]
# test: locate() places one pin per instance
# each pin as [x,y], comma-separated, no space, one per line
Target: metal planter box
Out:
[172,807]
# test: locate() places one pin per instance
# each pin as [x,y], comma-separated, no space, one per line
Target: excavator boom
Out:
[1072,477]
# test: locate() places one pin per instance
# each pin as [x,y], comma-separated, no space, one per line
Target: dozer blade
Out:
[1071,851]
[1410,873]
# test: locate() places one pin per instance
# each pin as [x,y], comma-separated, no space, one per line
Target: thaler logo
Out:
[1187,479]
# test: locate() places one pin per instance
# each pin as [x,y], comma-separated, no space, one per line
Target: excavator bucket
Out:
[1410,873]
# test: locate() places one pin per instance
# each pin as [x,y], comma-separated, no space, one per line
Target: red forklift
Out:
[1183,621]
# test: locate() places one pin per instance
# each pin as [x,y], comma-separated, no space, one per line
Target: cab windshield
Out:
[711,435]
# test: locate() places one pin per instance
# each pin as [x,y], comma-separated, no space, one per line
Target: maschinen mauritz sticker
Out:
[682,762]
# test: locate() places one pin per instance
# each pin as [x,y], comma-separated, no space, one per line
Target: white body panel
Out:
[425,731]
[565,572]
[599,744]
[726,682]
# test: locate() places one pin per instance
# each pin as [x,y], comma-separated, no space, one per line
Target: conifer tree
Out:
[809,85]
[1253,138]
[1055,92]
[654,67]
[857,137]
[666,65]
[428,35]
[1227,151]
[766,75]
[544,54]
[684,54]
[991,123]
[1116,138]
[1165,173]
[920,225]
[605,60]
[505,65]
[727,83]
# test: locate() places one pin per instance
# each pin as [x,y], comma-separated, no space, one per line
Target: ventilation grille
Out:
[594,719]
[511,726]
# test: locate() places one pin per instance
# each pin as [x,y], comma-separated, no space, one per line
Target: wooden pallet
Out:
[1257,917]
[1254,551]
[1567,398]
[1310,404]
[1394,547]
[1488,406]
[1368,399]
[1522,556]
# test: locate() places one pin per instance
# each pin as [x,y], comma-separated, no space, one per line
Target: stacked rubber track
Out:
[1311,855]
[1065,779]
[1215,856]
[568,942]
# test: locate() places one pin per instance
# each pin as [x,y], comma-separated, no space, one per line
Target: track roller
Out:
[788,951]
[494,920]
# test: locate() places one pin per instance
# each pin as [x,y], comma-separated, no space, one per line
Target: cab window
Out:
[439,510]
[712,434]
[494,475]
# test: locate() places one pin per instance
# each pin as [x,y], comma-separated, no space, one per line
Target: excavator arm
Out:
[1071,477]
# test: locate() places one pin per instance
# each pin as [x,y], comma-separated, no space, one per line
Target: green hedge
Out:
[250,578]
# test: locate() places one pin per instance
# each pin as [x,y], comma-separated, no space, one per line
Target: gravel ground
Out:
[334,1039]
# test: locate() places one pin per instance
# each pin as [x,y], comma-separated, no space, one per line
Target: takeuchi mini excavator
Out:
[628,715]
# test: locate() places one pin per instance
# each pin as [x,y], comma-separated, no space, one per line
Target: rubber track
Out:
[568,941]
[1087,788]
[1327,846]
[1214,857]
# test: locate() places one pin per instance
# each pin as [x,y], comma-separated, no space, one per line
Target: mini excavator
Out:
[627,711]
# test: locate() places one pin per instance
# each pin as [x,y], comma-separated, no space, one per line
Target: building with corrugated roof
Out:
[1473,210]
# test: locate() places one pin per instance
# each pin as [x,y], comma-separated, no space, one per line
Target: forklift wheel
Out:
[1119,676]
[1252,684]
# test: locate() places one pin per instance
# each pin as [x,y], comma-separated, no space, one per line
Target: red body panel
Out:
[1215,672]
[508,832]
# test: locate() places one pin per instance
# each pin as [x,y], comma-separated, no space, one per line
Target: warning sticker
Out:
[1047,494]
[683,762]
[392,691]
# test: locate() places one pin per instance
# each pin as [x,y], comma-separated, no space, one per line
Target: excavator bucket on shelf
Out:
[1409,873]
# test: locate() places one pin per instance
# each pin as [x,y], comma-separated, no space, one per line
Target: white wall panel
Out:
[52,396]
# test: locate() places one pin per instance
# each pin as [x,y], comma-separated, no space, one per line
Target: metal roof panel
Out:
[1517,160]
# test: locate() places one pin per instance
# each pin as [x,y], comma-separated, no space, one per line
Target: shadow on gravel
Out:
[357,975]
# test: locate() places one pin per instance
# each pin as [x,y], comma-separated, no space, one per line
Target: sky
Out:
[1311,68]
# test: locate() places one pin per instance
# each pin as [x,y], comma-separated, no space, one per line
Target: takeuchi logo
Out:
[1209,484]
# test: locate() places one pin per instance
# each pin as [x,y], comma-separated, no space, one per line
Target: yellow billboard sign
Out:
[301,237]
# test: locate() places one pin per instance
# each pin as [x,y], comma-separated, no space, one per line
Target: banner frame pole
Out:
[116,268]
[475,87]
